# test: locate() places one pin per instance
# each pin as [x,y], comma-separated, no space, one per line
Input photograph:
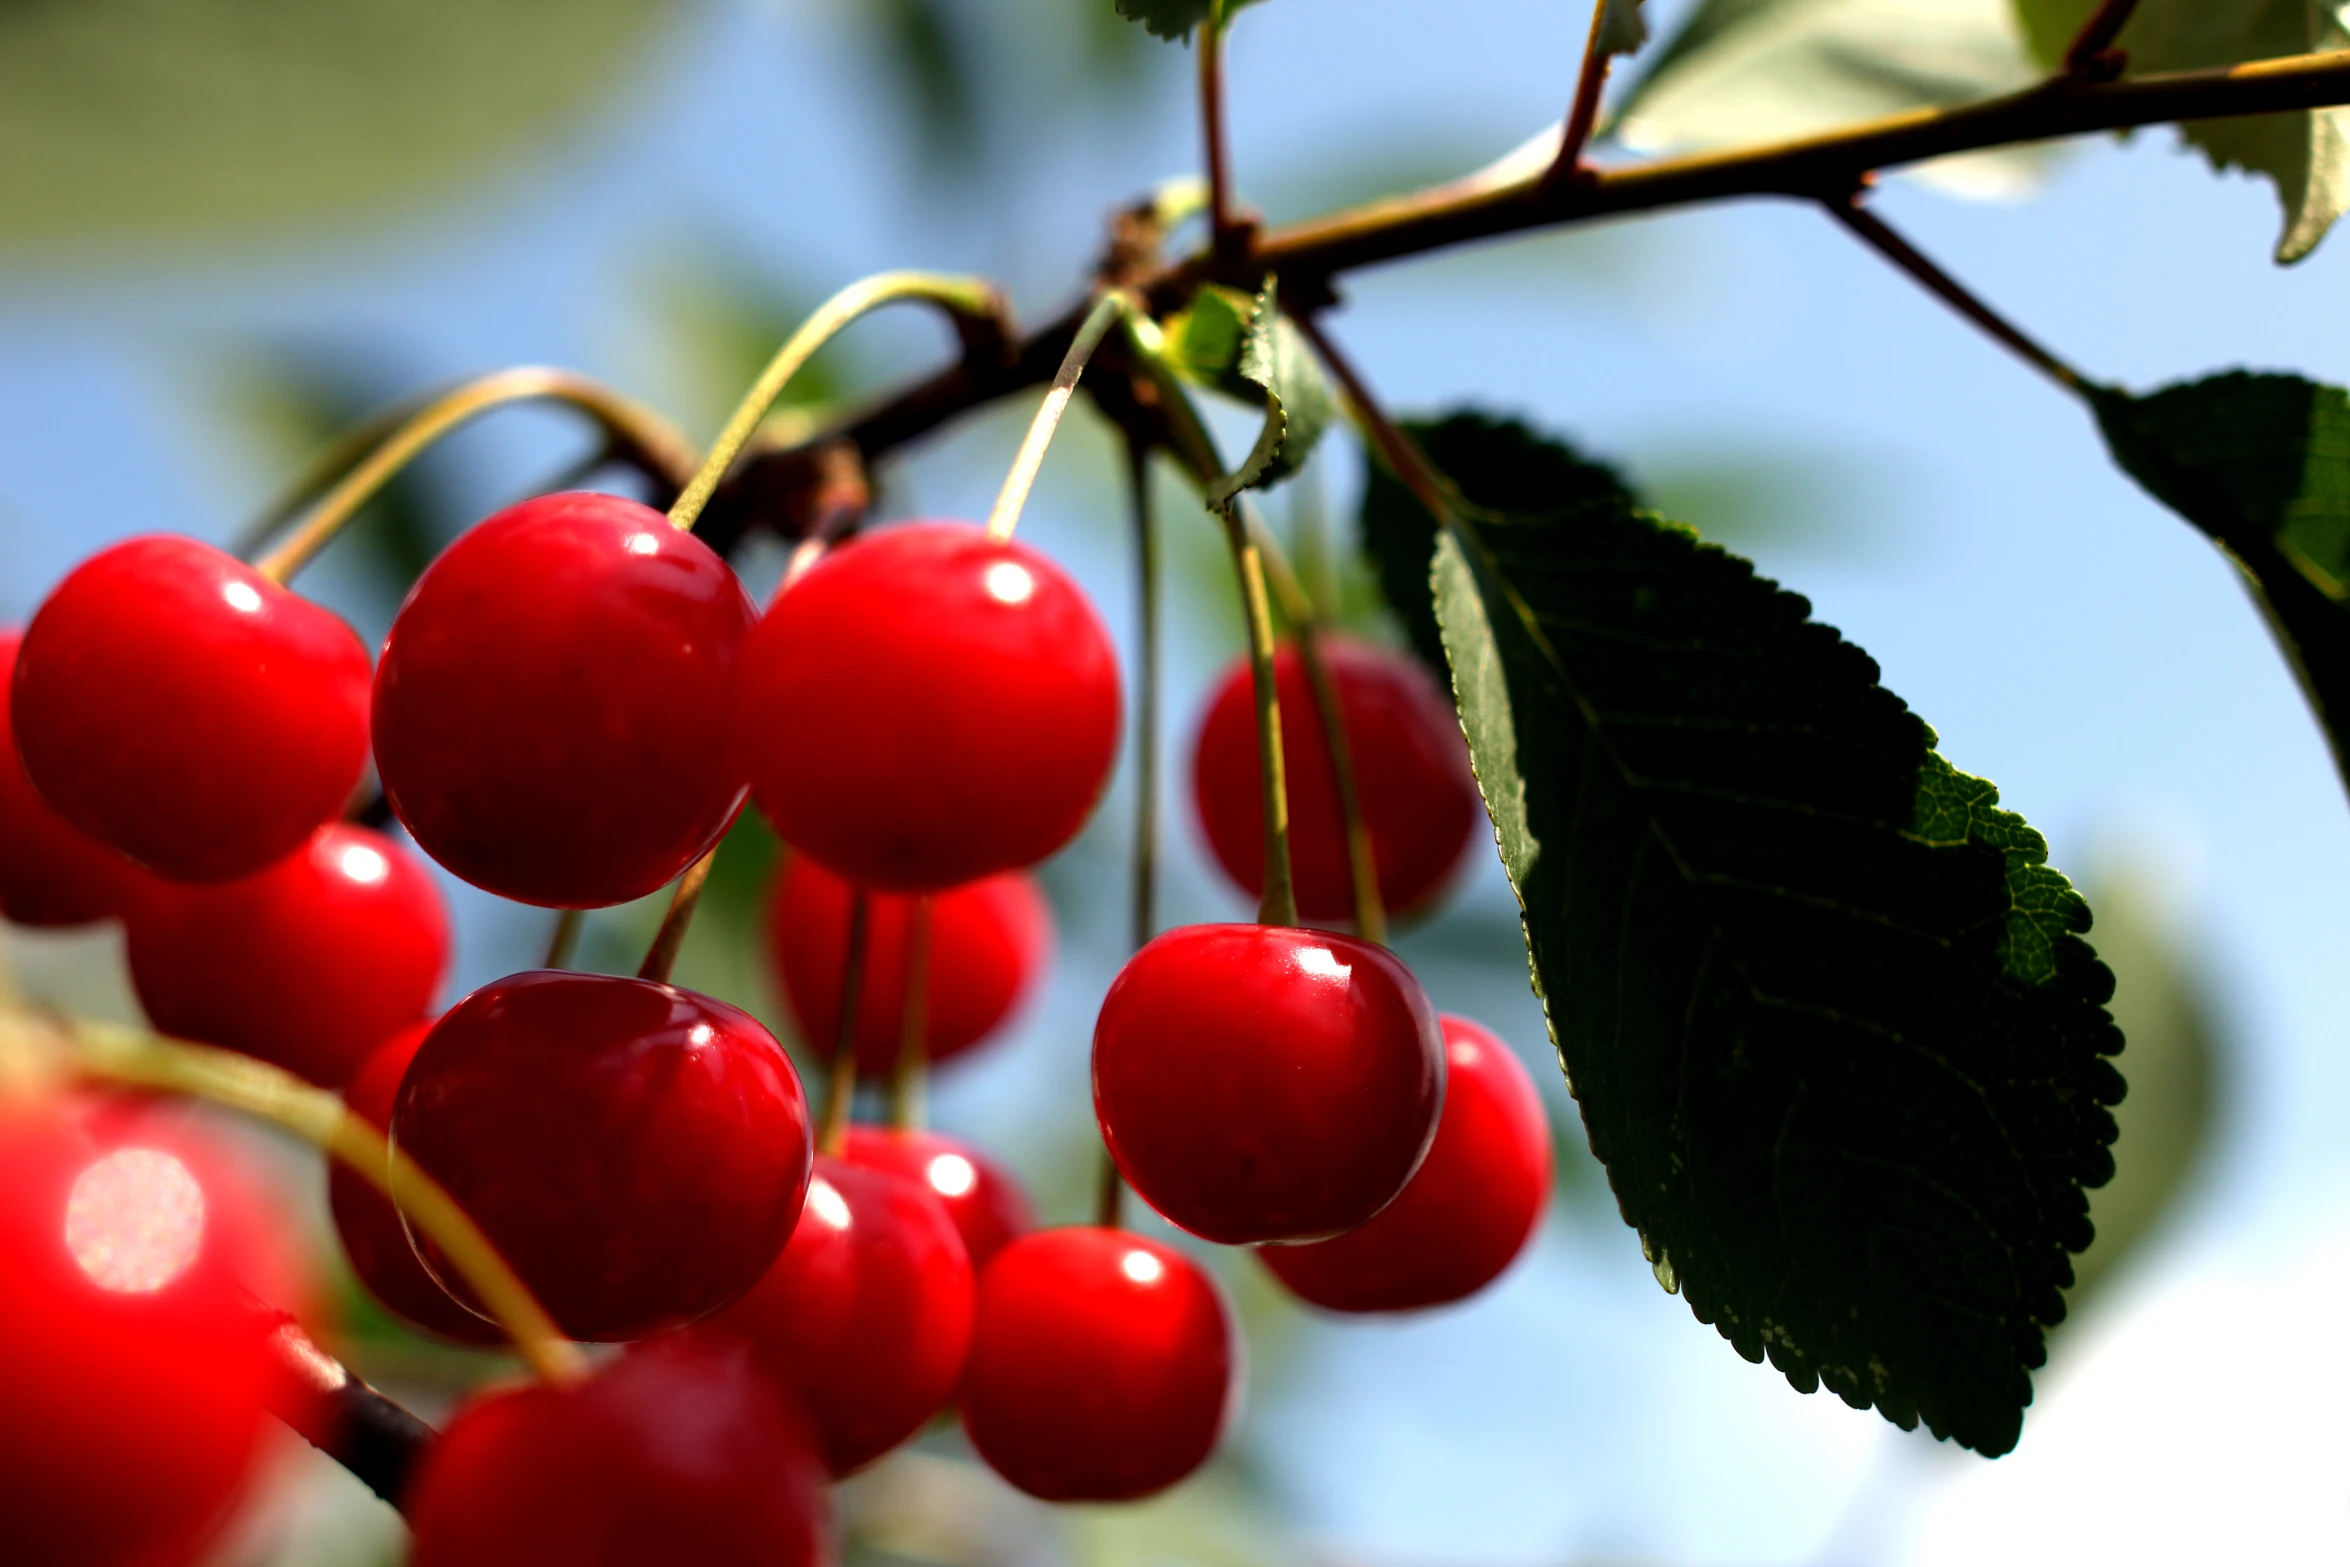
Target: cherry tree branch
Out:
[2091,53]
[1309,255]
[1583,113]
[329,1406]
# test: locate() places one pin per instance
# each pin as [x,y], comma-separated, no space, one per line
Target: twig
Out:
[2092,55]
[1227,238]
[1575,134]
[1879,236]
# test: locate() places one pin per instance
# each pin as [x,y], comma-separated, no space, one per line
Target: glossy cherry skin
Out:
[926,707]
[551,709]
[1262,1083]
[637,1152]
[989,1208]
[173,702]
[866,1316]
[374,1240]
[1468,1212]
[1412,776]
[137,1364]
[1105,1366]
[990,941]
[309,964]
[51,872]
[671,1455]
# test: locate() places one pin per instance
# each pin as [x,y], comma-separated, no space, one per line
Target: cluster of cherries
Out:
[572,707]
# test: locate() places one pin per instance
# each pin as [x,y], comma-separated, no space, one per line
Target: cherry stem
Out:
[1879,236]
[268,1093]
[1306,628]
[1197,448]
[912,1071]
[970,298]
[1583,115]
[661,957]
[2089,55]
[1226,237]
[563,938]
[840,1087]
[1005,515]
[630,424]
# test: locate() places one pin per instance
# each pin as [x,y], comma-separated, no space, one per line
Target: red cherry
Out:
[1261,1083]
[988,1206]
[136,1363]
[670,1455]
[51,872]
[928,706]
[1412,776]
[308,964]
[867,1314]
[989,941]
[1468,1212]
[173,702]
[374,1239]
[551,713]
[1104,1367]
[636,1151]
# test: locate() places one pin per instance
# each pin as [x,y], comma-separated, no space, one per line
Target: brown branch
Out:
[330,1407]
[1583,114]
[2092,55]
[1820,168]
[1227,238]
[1874,231]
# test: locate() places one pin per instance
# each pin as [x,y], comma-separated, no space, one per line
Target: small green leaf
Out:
[1827,1011]
[1518,472]
[2260,464]
[1745,71]
[1622,28]
[2305,155]
[1247,349]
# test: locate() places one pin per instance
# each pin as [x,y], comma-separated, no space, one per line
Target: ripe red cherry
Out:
[988,1206]
[866,1316]
[309,964]
[51,872]
[374,1239]
[1261,1083]
[1412,776]
[671,1455]
[1464,1217]
[173,702]
[636,1151]
[928,706]
[989,941]
[551,713]
[1104,1367]
[137,1365]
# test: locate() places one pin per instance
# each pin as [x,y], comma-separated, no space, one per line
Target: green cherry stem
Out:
[1306,628]
[684,898]
[840,1087]
[628,424]
[1005,515]
[1197,449]
[970,298]
[268,1093]
[563,938]
[911,1074]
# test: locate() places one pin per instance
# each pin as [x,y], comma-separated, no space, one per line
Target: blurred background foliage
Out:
[131,128]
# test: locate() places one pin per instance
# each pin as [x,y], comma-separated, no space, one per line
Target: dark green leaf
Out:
[1827,1011]
[2261,464]
[1518,472]
[1174,18]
